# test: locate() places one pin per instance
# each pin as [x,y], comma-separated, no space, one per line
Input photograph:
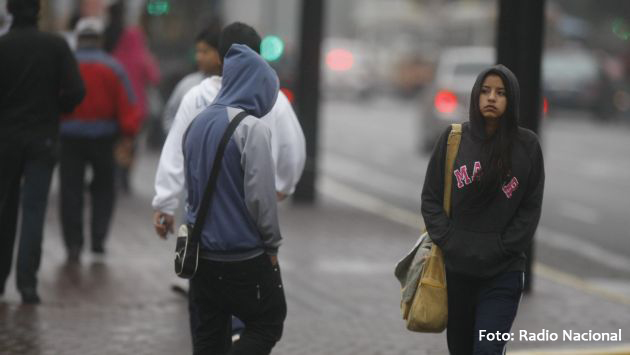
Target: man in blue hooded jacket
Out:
[238,269]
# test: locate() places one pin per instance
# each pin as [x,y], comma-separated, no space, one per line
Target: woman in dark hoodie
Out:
[498,181]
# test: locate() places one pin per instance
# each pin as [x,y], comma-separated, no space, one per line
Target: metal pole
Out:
[307,93]
[519,47]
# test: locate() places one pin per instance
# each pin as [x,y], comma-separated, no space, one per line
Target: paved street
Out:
[338,256]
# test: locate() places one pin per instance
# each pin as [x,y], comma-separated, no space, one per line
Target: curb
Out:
[617,350]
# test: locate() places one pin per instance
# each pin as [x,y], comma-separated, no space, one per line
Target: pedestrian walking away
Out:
[287,140]
[239,271]
[498,182]
[87,137]
[40,80]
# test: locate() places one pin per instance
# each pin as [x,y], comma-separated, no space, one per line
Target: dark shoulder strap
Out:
[214,174]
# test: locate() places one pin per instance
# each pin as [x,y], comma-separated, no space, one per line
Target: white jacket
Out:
[288,146]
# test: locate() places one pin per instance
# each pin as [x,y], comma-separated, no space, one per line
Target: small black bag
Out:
[188,236]
[186,253]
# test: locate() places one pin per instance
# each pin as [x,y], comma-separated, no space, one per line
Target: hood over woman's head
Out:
[496,159]
[512,92]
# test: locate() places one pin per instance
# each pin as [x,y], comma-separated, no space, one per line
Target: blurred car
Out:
[346,70]
[411,74]
[573,79]
[447,100]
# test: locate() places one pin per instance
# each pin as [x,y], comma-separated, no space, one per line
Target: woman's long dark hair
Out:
[497,149]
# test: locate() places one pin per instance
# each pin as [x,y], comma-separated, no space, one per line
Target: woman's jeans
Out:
[477,305]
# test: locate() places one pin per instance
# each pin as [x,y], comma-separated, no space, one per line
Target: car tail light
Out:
[445,101]
[545,105]
[288,93]
[340,59]
[621,100]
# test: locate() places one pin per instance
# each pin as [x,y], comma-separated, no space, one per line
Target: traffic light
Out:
[621,29]
[158,7]
[271,48]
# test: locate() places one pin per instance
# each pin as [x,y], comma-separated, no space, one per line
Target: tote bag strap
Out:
[452,147]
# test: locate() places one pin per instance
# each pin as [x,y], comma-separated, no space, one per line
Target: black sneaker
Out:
[98,254]
[74,255]
[30,296]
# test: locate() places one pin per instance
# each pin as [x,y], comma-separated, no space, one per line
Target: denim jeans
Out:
[26,171]
[76,155]
[475,305]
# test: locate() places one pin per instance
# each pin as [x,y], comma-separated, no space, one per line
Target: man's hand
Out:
[280,196]
[274,259]
[163,223]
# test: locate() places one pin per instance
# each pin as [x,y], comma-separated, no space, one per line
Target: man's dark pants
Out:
[76,155]
[251,290]
[475,305]
[26,173]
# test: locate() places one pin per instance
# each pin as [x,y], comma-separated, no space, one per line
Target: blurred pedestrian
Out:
[131,50]
[40,80]
[208,64]
[238,271]
[88,135]
[287,141]
[5,21]
[495,212]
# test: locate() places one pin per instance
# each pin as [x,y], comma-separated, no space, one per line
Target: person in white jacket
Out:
[208,64]
[287,141]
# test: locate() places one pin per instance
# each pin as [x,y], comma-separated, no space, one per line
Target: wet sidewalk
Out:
[337,262]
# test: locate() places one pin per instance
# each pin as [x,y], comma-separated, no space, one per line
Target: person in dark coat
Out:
[40,80]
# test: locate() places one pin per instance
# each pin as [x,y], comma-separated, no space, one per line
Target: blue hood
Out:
[248,83]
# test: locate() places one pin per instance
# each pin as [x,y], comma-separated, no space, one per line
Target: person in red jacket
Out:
[88,134]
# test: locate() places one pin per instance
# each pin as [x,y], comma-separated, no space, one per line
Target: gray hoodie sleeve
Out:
[254,140]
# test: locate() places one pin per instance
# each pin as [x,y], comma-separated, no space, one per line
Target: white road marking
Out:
[575,282]
[579,212]
[583,248]
[369,203]
[617,285]
[376,179]
[600,169]
[359,267]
